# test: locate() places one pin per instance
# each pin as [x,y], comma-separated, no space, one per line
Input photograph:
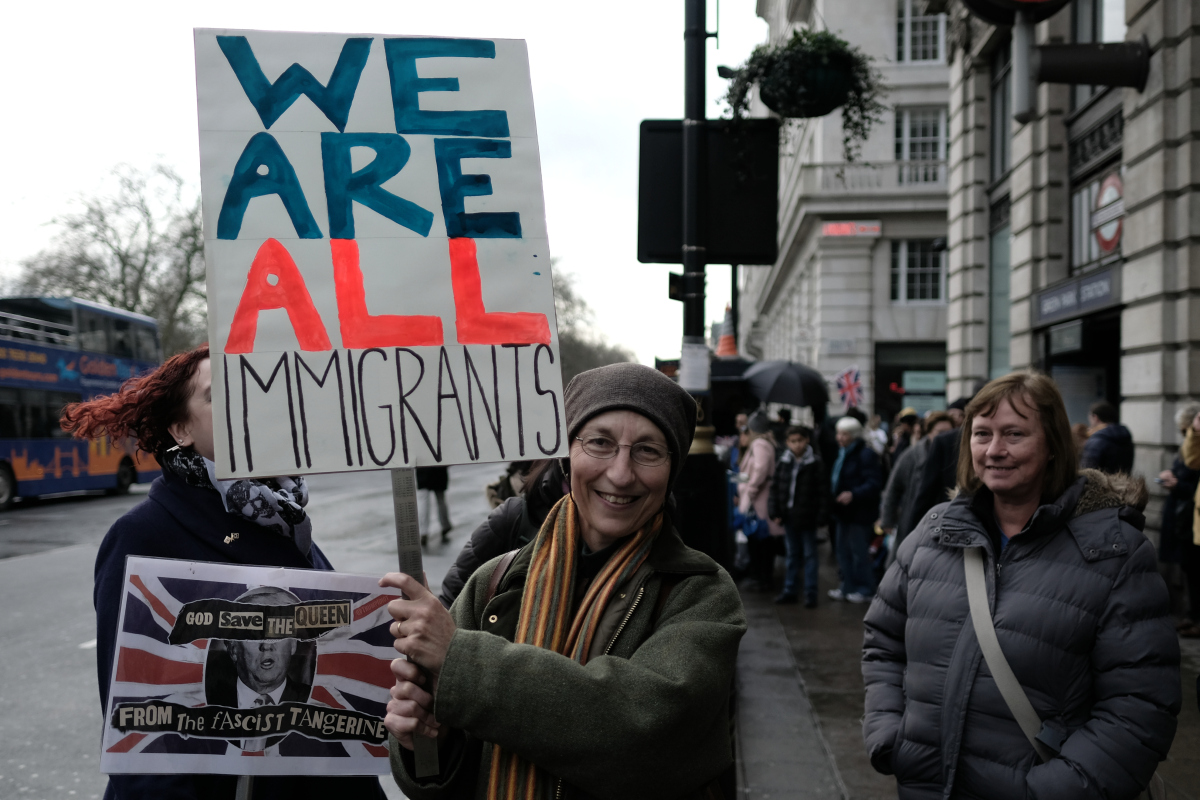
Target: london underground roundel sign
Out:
[1108,213]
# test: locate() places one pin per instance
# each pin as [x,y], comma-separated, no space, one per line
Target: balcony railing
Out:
[878,177]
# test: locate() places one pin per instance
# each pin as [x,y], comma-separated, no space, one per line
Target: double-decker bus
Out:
[55,351]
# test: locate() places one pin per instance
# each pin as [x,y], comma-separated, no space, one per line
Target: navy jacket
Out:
[1109,449]
[189,523]
[862,476]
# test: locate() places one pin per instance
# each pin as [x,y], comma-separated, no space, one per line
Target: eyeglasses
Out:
[648,454]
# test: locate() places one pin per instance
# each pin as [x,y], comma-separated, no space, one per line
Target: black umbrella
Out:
[787,382]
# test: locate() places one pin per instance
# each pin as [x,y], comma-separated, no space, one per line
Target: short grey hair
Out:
[1185,415]
[849,425]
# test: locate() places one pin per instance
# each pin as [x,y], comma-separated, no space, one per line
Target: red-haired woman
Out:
[193,516]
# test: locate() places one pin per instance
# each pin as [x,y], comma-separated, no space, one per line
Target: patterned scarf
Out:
[276,504]
[545,621]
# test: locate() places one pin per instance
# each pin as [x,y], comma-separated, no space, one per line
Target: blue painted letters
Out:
[249,181]
[455,186]
[270,100]
[402,55]
[343,186]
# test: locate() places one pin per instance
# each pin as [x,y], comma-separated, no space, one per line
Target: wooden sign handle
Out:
[408,548]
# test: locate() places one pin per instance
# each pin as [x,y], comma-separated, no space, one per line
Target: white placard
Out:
[216,662]
[379,279]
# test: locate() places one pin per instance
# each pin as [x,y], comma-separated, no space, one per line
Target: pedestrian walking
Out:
[856,479]
[432,483]
[191,514]
[900,492]
[1177,540]
[1021,644]
[1109,446]
[597,660]
[800,501]
[754,491]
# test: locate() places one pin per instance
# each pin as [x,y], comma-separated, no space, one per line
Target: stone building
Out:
[1071,237]
[861,275]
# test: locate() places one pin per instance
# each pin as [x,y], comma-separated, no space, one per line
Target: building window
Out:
[1095,21]
[999,291]
[1097,221]
[1001,111]
[917,271]
[919,38]
[921,144]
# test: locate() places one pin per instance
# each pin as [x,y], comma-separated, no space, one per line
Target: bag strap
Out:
[498,574]
[1010,689]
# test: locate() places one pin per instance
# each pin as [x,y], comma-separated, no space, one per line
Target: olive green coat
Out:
[646,717]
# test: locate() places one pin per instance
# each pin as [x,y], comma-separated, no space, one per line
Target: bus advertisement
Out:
[55,351]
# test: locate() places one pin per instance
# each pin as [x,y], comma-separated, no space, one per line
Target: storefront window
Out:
[917,271]
[999,280]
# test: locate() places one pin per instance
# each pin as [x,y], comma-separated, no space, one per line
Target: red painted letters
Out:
[474,324]
[360,330]
[288,292]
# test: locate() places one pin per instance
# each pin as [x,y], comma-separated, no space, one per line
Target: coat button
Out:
[492,619]
[1116,547]
[933,516]
[1092,552]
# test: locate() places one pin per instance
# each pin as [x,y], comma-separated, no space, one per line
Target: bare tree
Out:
[580,346]
[140,248]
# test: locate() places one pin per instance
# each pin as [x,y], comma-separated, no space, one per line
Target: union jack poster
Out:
[849,386]
[217,662]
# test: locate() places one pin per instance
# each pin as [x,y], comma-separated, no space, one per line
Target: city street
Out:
[49,703]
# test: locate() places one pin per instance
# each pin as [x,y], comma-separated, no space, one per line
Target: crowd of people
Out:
[1018,642]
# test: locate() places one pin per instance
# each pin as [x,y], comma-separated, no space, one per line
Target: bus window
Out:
[147,342]
[33,413]
[55,403]
[122,339]
[10,407]
[93,332]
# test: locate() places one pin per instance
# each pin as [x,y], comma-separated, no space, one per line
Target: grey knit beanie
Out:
[636,388]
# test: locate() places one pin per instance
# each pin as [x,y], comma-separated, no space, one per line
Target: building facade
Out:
[1073,244]
[861,278]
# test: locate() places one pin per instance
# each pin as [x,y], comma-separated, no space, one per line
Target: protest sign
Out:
[379,278]
[215,662]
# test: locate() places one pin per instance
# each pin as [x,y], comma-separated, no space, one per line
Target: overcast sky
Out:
[92,85]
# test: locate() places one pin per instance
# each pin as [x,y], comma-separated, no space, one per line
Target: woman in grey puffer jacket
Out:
[1080,612]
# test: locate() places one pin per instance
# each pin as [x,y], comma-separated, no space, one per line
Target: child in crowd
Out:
[800,501]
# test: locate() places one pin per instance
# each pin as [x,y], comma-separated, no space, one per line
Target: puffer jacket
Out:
[1109,449]
[1082,616]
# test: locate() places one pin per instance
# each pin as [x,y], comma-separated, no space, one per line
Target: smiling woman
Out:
[1080,614]
[595,661]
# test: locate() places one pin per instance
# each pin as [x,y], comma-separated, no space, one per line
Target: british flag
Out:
[849,386]
[351,669]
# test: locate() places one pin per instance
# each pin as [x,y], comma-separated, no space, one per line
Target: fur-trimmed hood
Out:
[1111,491]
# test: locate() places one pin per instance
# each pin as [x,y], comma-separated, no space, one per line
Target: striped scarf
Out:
[545,621]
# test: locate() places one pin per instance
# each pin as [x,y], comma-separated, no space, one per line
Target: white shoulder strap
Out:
[1010,689]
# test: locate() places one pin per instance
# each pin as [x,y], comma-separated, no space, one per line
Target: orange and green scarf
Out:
[545,621]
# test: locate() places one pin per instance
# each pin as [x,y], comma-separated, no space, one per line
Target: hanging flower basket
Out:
[812,74]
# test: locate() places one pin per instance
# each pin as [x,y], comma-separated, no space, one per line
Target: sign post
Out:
[408,548]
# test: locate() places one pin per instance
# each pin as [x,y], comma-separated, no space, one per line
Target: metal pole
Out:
[1024,91]
[695,37]
[408,548]
[733,300]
